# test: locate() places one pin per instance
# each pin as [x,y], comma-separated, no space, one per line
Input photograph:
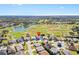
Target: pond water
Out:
[18,28]
[22,28]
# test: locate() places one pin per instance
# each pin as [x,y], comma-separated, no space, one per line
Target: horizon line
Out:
[45,15]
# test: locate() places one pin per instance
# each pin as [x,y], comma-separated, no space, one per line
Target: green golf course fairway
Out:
[56,29]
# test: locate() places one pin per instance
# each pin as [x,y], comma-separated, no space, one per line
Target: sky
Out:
[39,9]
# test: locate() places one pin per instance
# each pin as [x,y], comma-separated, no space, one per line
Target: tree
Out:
[76,29]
